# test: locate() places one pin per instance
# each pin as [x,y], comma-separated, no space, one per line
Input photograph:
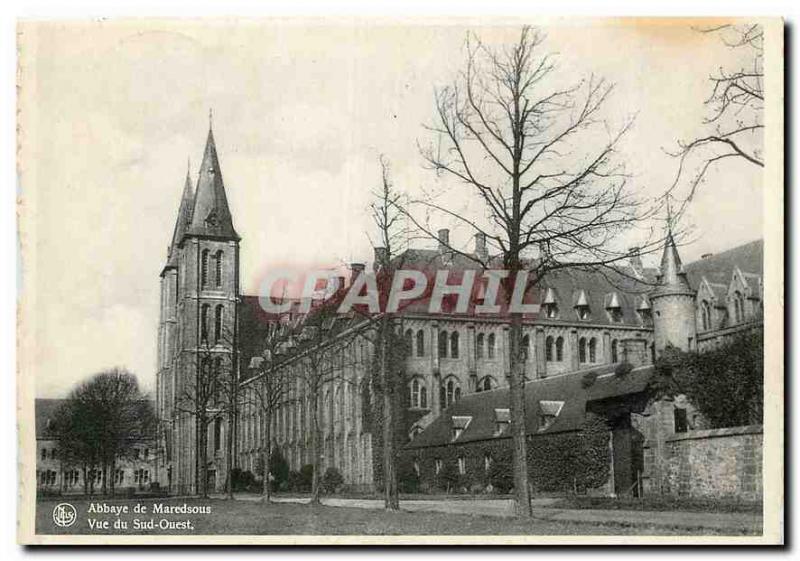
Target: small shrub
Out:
[588,379]
[244,480]
[623,369]
[278,468]
[294,482]
[407,477]
[306,477]
[332,480]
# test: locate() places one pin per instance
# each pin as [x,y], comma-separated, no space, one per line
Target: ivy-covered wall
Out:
[563,462]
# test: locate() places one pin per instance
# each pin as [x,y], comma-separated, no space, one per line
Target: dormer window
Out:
[644,311]
[460,424]
[548,413]
[550,304]
[502,420]
[613,308]
[582,306]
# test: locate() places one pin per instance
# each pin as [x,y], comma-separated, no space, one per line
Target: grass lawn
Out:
[657,503]
[243,517]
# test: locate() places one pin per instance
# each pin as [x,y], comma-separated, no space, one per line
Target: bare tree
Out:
[269,390]
[392,235]
[208,396]
[322,351]
[544,165]
[733,128]
[100,423]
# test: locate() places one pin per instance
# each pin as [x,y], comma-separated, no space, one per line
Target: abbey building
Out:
[457,364]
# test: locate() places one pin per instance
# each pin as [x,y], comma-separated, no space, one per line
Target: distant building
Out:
[132,474]
[587,321]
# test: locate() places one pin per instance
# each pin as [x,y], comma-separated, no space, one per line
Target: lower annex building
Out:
[587,320]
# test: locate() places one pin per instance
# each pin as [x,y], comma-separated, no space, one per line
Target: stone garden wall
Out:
[715,463]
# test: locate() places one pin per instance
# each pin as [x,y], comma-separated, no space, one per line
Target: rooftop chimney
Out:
[444,240]
[380,255]
[636,260]
[355,270]
[480,246]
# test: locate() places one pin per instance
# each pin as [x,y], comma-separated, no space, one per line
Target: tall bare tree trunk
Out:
[391,500]
[266,455]
[519,444]
[202,452]
[316,444]
[229,448]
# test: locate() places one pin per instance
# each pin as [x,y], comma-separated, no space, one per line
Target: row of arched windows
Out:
[583,346]
[449,344]
[554,349]
[490,345]
[448,341]
[450,391]
[217,268]
[415,344]
[219,311]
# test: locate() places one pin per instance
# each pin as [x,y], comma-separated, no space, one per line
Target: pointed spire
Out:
[672,275]
[184,217]
[211,215]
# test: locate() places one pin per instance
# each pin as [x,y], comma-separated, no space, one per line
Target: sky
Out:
[113,112]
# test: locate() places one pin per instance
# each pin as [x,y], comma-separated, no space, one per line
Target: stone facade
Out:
[586,321]
[724,463]
[139,472]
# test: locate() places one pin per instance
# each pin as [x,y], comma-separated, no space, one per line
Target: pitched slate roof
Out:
[718,268]
[567,286]
[210,214]
[568,388]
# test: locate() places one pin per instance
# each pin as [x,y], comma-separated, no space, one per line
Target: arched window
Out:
[487,383]
[215,379]
[415,398]
[526,345]
[454,344]
[705,312]
[452,392]
[490,345]
[423,397]
[582,349]
[738,307]
[218,269]
[420,343]
[218,323]
[204,269]
[443,344]
[217,434]
[409,341]
[479,345]
[560,349]
[614,351]
[548,348]
[592,350]
[204,322]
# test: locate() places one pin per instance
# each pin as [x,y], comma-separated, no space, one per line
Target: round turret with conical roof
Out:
[673,303]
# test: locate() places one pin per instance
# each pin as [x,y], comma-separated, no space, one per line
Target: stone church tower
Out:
[673,303]
[198,335]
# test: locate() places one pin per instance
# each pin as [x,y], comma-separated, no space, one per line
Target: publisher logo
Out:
[64,515]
